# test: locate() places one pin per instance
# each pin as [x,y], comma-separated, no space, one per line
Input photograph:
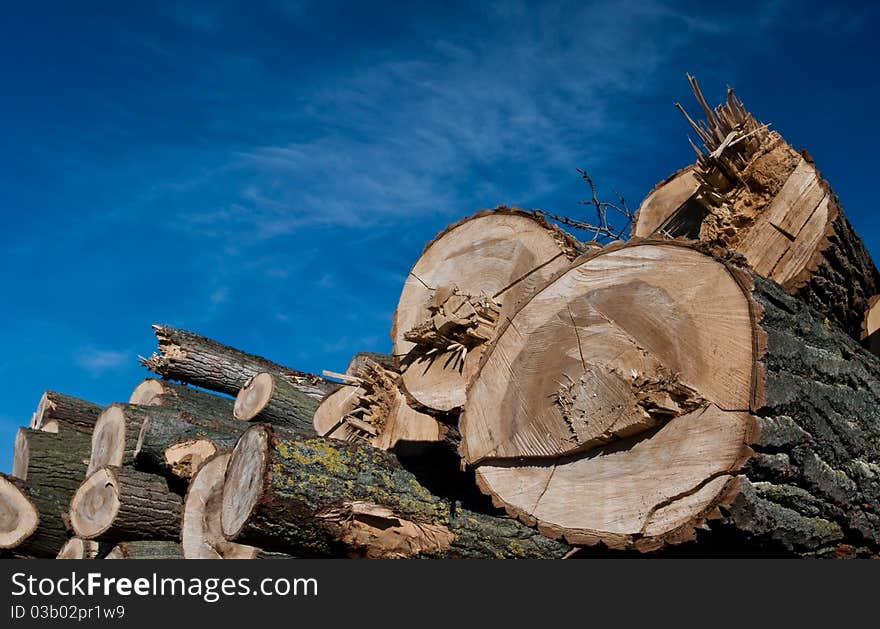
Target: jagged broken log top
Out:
[203,362]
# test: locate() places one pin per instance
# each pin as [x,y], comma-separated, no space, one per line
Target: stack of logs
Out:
[708,387]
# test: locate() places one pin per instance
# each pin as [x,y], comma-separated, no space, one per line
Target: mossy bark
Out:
[304,480]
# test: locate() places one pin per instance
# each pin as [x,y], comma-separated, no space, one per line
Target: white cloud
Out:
[97,361]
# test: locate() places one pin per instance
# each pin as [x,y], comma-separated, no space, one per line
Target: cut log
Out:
[376,412]
[621,402]
[120,503]
[77,548]
[752,192]
[56,408]
[58,460]
[146,549]
[195,403]
[115,438]
[169,444]
[201,535]
[199,361]
[467,278]
[360,359]
[272,399]
[31,520]
[322,497]
[871,330]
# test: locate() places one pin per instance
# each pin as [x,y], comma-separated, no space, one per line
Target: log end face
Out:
[18,516]
[148,393]
[108,439]
[43,407]
[185,458]
[245,476]
[21,456]
[253,396]
[95,504]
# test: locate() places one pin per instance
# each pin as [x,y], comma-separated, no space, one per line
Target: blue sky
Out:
[265,173]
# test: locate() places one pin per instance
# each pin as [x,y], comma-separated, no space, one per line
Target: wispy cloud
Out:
[97,361]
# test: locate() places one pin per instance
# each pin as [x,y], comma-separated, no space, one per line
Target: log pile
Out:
[711,386]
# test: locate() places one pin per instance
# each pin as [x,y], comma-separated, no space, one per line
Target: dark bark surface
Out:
[199,405]
[146,549]
[304,480]
[54,460]
[813,486]
[289,407]
[202,362]
[66,409]
[164,431]
[51,533]
[148,510]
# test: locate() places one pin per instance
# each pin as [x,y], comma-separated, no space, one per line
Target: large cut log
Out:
[270,398]
[467,279]
[871,326]
[373,409]
[172,445]
[77,548]
[322,497]
[31,518]
[199,361]
[56,409]
[201,536]
[654,389]
[55,459]
[123,504]
[194,402]
[752,192]
[116,433]
[145,549]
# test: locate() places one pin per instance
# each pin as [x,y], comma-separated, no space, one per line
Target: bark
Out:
[19,501]
[116,434]
[195,403]
[813,486]
[272,399]
[57,408]
[325,498]
[162,436]
[146,549]
[123,504]
[54,459]
[205,363]
[77,548]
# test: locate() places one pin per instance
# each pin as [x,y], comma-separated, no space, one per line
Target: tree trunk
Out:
[55,459]
[195,403]
[146,549]
[115,438]
[31,517]
[120,503]
[56,409]
[272,399]
[467,278]
[171,445]
[322,497]
[77,548]
[208,364]
[752,192]
[201,536]
[654,389]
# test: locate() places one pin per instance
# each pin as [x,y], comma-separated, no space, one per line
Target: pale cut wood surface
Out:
[663,201]
[612,322]
[872,326]
[621,493]
[502,255]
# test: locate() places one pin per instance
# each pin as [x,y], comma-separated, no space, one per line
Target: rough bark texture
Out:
[196,403]
[158,435]
[145,549]
[51,532]
[361,359]
[288,407]
[77,548]
[329,498]
[844,279]
[105,442]
[148,510]
[813,485]
[199,361]
[65,409]
[49,459]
